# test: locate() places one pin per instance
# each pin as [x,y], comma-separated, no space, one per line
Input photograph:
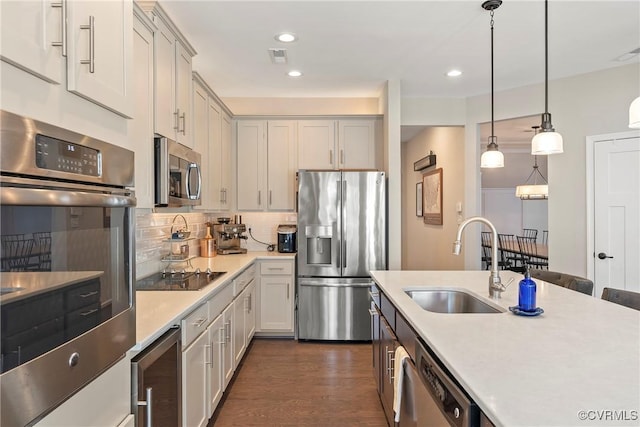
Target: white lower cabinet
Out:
[277,296]
[228,365]
[216,335]
[195,361]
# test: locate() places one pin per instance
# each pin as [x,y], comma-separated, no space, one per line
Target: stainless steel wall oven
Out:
[67,264]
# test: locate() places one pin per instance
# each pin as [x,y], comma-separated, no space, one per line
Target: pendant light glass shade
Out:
[547,141]
[634,114]
[492,158]
[532,192]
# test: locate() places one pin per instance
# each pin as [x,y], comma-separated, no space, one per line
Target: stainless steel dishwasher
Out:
[430,396]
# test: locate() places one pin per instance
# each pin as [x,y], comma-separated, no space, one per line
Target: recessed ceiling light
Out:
[294,73]
[454,73]
[286,37]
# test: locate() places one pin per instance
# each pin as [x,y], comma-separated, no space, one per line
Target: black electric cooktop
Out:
[178,280]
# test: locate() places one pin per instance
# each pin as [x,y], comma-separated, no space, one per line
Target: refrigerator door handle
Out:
[343,249]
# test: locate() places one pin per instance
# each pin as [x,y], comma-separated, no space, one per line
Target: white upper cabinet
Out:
[316,144]
[173,78]
[266,164]
[356,144]
[220,155]
[337,144]
[225,162]
[91,39]
[201,131]
[141,127]
[99,53]
[281,165]
[33,37]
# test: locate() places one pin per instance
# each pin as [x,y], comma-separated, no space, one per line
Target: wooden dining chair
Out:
[530,232]
[529,249]
[620,296]
[509,253]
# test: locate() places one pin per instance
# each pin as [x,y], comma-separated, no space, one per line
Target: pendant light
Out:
[634,114]
[533,191]
[493,157]
[547,141]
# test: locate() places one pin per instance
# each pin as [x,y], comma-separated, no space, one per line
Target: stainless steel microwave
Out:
[178,177]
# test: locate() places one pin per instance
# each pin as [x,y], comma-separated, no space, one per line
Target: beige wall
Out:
[428,247]
[301,106]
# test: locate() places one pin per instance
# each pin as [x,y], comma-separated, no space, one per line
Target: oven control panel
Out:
[63,156]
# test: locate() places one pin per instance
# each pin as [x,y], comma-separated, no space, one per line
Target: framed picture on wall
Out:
[432,197]
[419,199]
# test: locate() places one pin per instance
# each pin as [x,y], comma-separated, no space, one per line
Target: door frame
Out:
[591,141]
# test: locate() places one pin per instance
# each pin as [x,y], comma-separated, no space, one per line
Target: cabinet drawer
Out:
[244,279]
[83,295]
[220,301]
[273,268]
[388,311]
[194,324]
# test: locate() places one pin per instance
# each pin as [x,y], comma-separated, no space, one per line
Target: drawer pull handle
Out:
[224,337]
[199,323]
[87,313]
[276,268]
[372,312]
[88,294]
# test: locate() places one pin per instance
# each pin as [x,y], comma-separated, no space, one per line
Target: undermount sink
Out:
[450,301]
[8,290]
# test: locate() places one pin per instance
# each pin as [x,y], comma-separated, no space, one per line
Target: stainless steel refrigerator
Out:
[341,237]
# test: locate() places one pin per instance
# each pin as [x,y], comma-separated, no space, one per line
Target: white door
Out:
[276,300]
[617,214]
[316,144]
[251,173]
[194,386]
[216,334]
[357,148]
[281,164]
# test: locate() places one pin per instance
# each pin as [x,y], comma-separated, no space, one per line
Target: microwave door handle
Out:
[190,195]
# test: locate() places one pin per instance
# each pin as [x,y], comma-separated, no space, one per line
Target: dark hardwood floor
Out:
[290,383]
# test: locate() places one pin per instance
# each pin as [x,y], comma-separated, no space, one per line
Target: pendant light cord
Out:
[492,134]
[546,57]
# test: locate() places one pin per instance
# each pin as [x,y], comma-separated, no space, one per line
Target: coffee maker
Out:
[228,238]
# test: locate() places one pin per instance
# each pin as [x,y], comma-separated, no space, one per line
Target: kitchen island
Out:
[576,364]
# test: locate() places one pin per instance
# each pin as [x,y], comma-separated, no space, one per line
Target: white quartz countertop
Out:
[34,283]
[581,354]
[157,311]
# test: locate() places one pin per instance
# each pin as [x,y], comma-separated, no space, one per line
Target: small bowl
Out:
[181,234]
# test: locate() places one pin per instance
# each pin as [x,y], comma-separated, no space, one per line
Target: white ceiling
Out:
[350,48]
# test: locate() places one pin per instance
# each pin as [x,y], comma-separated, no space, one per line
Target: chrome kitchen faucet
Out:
[495,284]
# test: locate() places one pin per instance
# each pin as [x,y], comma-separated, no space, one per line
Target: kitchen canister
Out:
[208,245]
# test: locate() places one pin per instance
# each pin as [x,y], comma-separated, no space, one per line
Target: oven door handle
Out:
[18,196]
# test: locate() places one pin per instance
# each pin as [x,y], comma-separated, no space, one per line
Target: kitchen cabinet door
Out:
[183,81]
[356,144]
[316,144]
[100,53]
[281,164]
[227,353]
[141,127]
[276,303]
[225,159]
[194,386]
[31,32]
[251,166]
[388,344]
[215,383]
[201,143]
[250,313]
[215,148]
[164,44]
[239,337]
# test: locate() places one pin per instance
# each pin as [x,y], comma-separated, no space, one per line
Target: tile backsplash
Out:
[153,229]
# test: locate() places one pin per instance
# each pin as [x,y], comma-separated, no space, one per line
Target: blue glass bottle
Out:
[527,293]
